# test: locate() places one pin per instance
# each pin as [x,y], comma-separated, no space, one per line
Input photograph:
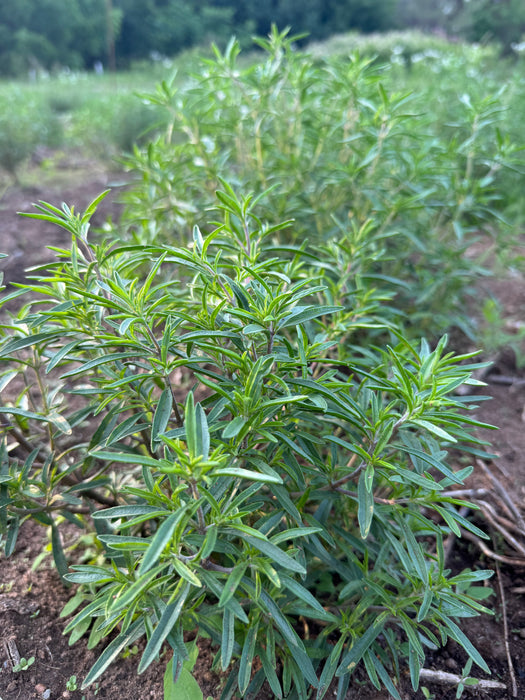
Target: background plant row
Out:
[77,34]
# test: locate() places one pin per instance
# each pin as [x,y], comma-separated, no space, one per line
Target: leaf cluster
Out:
[249,473]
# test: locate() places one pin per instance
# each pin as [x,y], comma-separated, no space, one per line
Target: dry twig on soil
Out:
[506,634]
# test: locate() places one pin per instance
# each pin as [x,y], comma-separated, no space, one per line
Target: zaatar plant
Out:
[338,143]
[250,476]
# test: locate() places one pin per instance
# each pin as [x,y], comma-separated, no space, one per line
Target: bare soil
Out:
[31,600]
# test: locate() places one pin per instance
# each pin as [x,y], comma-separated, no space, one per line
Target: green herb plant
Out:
[345,148]
[253,474]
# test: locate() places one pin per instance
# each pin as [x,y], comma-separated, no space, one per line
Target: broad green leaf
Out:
[185,688]
[234,427]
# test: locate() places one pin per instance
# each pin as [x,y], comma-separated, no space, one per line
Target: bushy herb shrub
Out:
[342,155]
[250,474]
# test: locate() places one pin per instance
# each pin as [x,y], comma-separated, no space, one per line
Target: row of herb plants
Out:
[245,410]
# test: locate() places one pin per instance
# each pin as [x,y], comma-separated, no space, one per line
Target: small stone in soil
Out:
[451,663]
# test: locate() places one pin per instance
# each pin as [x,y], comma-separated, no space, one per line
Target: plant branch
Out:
[444,678]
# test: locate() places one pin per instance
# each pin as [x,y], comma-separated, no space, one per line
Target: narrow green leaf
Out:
[240,473]
[414,664]
[365,510]
[166,623]
[269,672]
[293,533]
[415,551]
[432,428]
[232,583]
[360,645]
[16,344]
[383,675]
[161,417]
[79,631]
[58,553]
[190,425]
[186,573]
[90,574]
[160,540]
[128,512]
[275,553]
[127,458]
[58,356]
[99,361]
[329,668]
[246,662]
[425,605]
[112,651]
[228,638]
[281,622]
[465,642]
[304,594]
[136,589]
[203,432]
[302,314]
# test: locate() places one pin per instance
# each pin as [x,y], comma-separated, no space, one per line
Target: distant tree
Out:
[168,26]
[500,20]
[318,18]
[46,33]
[427,14]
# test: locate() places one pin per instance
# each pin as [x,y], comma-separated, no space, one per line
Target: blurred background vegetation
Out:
[46,35]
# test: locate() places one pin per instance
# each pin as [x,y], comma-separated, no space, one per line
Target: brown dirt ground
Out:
[30,601]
